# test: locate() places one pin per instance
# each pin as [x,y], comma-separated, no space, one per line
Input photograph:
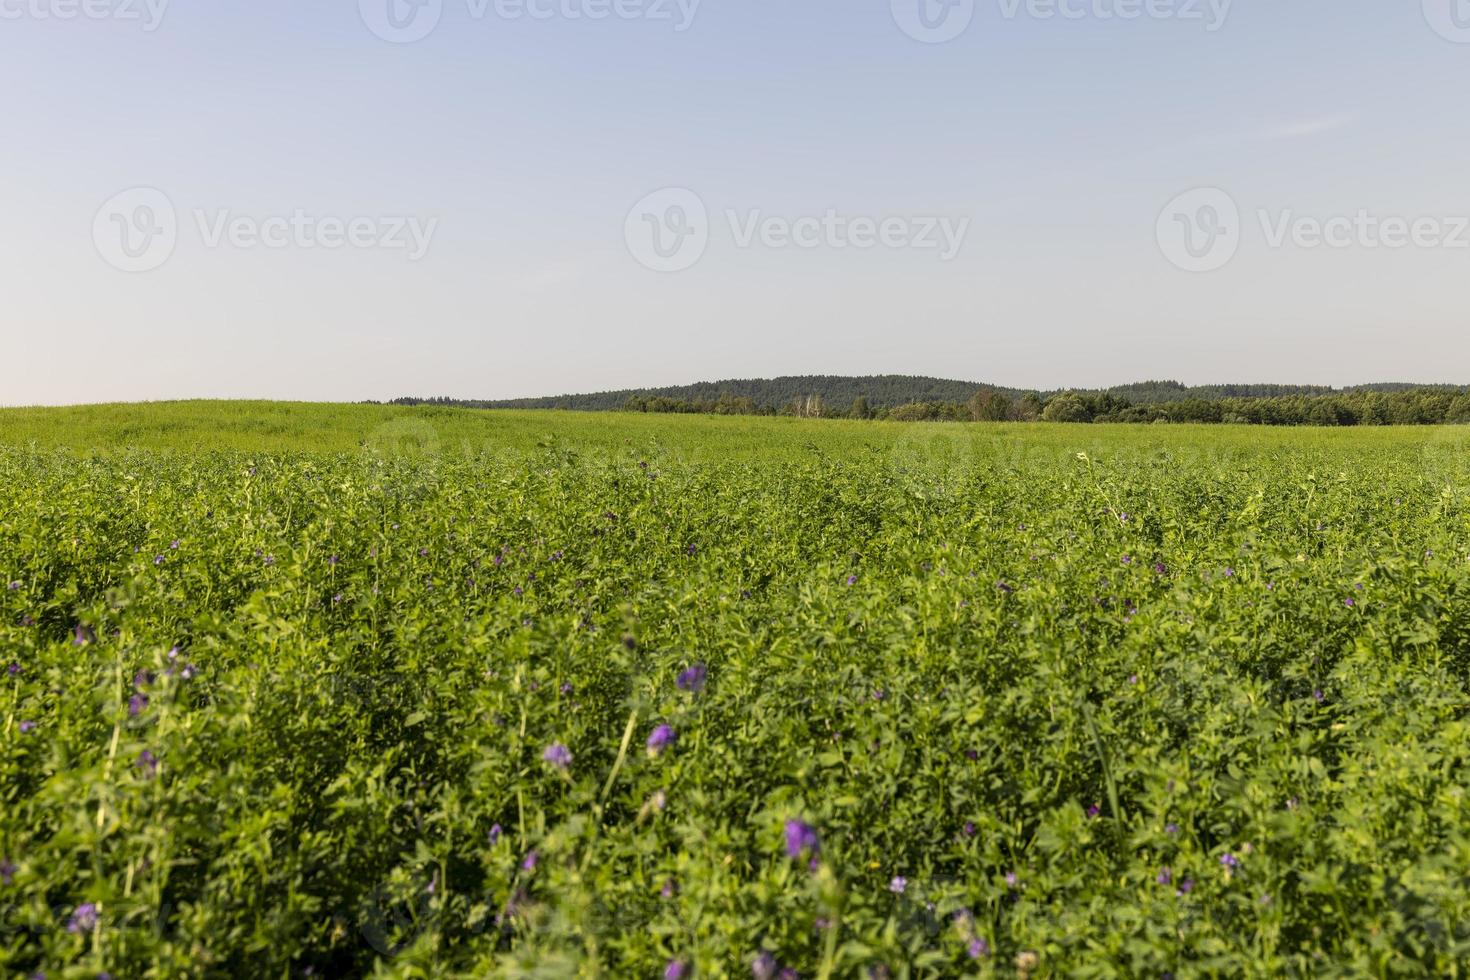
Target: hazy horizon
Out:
[496,199]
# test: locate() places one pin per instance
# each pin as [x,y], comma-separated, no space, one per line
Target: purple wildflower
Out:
[158,560]
[1171,828]
[978,948]
[27,726]
[1229,860]
[1161,568]
[137,704]
[13,586]
[801,838]
[1185,887]
[852,580]
[969,828]
[528,864]
[1094,810]
[1012,879]
[148,762]
[566,689]
[693,679]
[764,967]
[1166,877]
[84,919]
[898,885]
[81,636]
[13,670]
[674,971]
[667,891]
[558,755]
[7,872]
[662,737]
[1349,603]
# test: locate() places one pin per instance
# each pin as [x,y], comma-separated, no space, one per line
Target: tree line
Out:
[1409,406]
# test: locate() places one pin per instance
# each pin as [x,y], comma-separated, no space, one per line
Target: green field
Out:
[352,690]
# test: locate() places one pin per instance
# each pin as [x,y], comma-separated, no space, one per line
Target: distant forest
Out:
[913,399]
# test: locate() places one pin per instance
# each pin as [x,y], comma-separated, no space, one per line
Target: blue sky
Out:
[524,144]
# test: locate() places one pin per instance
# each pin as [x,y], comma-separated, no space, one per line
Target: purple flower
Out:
[1166,877]
[662,737]
[693,679]
[13,670]
[1185,887]
[528,864]
[978,948]
[1094,810]
[81,636]
[801,838]
[1127,559]
[158,560]
[852,580]
[13,586]
[1161,568]
[898,885]
[333,559]
[566,689]
[1229,860]
[27,727]
[174,545]
[1012,880]
[495,835]
[667,891]
[84,919]
[1349,603]
[674,971]
[1319,696]
[137,704]
[1004,588]
[764,967]
[7,872]
[148,762]
[558,755]
[969,828]
[1171,828]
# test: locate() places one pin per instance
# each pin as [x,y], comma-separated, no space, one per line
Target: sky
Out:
[342,200]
